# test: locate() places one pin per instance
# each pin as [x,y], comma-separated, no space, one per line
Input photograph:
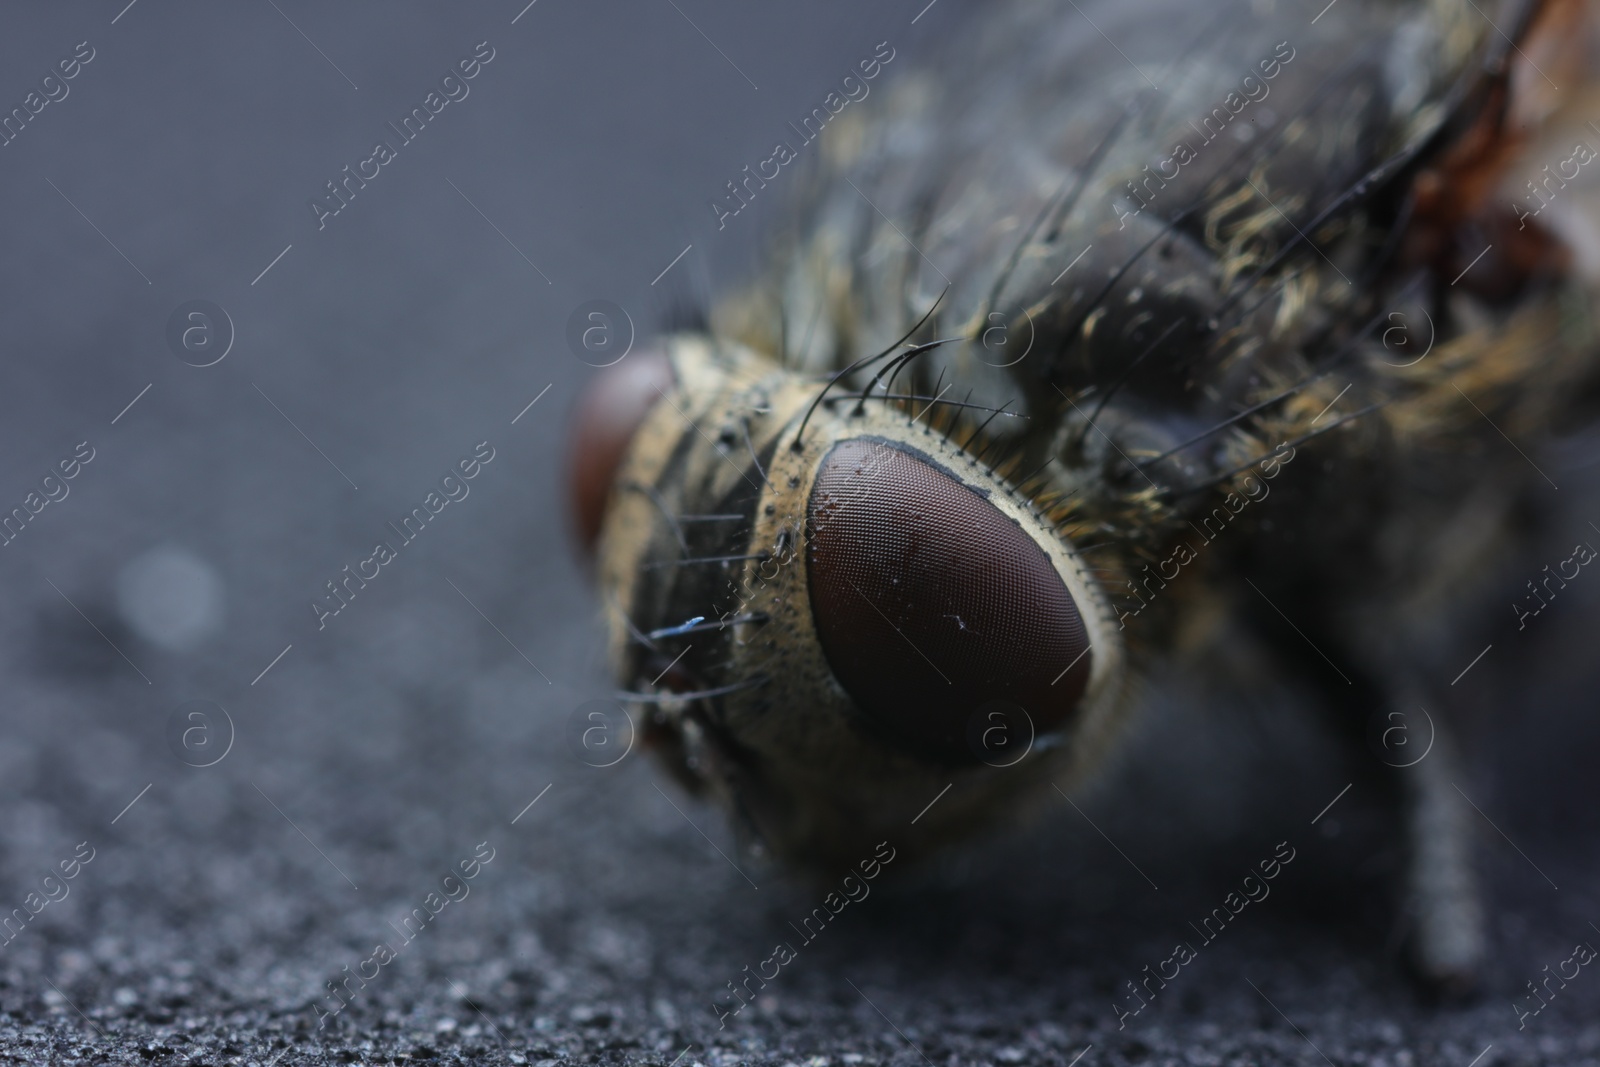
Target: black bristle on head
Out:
[951,425]
[799,436]
[982,427]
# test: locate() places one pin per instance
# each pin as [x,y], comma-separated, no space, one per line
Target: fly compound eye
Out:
[603,425]
[932,604]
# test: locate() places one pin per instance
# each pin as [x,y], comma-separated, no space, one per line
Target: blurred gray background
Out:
[367,358]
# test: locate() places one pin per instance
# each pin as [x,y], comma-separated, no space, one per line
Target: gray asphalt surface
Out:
[413,730]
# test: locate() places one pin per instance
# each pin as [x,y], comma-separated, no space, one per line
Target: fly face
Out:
[876,614]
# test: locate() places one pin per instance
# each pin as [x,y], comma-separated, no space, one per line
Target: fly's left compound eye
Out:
[602,428]
[932,604]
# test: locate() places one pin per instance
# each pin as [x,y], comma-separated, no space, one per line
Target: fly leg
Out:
[1442,894]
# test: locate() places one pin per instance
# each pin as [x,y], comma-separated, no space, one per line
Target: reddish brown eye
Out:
[606,418]
[931,603]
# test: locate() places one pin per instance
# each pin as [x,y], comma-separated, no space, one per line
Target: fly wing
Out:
[1098,184]
[1555,183]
